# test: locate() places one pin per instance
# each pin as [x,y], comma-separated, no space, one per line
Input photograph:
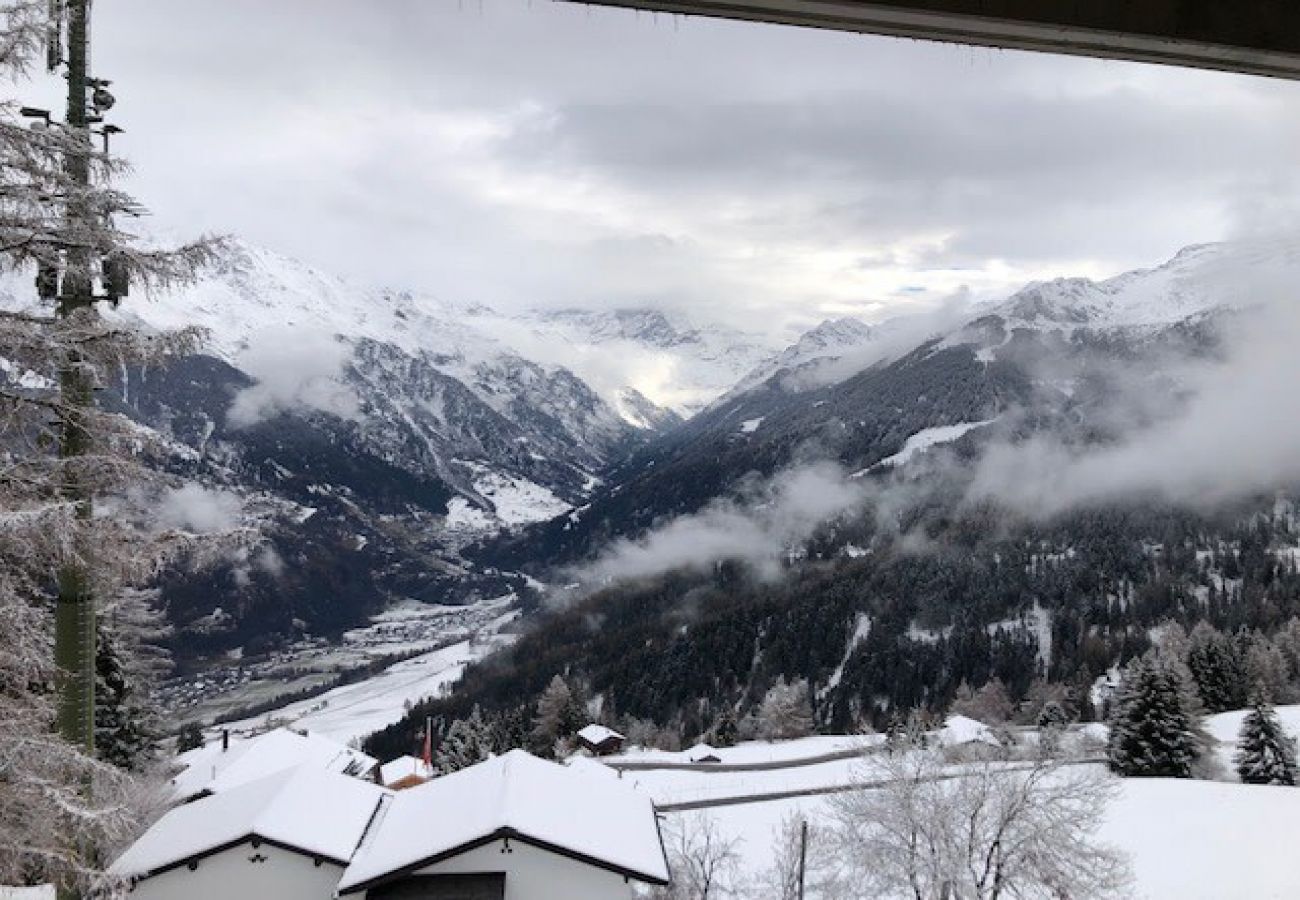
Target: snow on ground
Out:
[861,629]
[674,786]
[1206,840]
[922,441]
[515,501]
[1189,840]
[1225,727]
[463,516]
[748,752]
[518,501]
[749,426]
[355,710]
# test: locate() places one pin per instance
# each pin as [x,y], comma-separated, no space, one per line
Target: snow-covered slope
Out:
[830,340]
[1199,279]
[645,364]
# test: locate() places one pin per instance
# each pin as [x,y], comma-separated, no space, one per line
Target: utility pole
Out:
[803,855]
[74,615]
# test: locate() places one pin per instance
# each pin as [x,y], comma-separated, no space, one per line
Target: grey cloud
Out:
[519,153]
[1233,435]
[195,508]
[774,517]
[294,370]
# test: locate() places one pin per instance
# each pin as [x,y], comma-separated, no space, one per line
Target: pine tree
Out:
[1217,668]
[122,733]
[510,729]
[467,742]
[724,732]
[190,737]
[1154,729]
[1265,754]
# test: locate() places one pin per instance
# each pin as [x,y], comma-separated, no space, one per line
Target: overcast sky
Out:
[539,153]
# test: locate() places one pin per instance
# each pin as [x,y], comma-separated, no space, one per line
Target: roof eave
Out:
[501,834]
[252,837]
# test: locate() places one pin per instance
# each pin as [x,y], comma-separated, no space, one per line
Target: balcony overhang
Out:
[1256,37]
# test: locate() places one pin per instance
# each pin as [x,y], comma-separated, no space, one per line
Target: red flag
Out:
[428,744]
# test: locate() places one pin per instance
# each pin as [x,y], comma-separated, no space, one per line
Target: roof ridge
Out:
[374,824]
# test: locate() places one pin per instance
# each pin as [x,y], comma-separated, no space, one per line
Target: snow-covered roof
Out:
[963,730]
[597,734]
[404,767]
[318,813]
[702,751]
[211,770]
[600,821]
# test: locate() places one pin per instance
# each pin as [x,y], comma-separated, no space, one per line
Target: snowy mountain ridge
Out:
[254,295]
[1198,279]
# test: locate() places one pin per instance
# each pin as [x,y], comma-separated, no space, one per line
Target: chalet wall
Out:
[536,874]
[232,874]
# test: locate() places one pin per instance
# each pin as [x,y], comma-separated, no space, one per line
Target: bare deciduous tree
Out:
[818,859]
[704,862]
[980,831]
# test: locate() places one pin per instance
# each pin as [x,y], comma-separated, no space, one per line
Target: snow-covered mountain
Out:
[1198,279]
[832,339]
[872,397]
[385,430]
[664,357]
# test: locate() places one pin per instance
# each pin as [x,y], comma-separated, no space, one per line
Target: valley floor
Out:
[350,712]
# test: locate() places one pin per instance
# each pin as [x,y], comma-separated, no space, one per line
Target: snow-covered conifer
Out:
[1154,727]
[1265,753]
[468,741]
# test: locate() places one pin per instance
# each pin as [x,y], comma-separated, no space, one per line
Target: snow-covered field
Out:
[1188,840]
[923,441]
[749,752]
[355,710]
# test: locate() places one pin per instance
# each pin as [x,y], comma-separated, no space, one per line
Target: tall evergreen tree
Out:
[1217,668]
[468,741]
[1154,729]
[1265,753]
[122,733]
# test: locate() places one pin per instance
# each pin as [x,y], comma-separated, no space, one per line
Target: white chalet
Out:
[288,836]
[512,828]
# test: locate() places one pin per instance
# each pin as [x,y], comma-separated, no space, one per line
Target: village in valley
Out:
[648,450]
